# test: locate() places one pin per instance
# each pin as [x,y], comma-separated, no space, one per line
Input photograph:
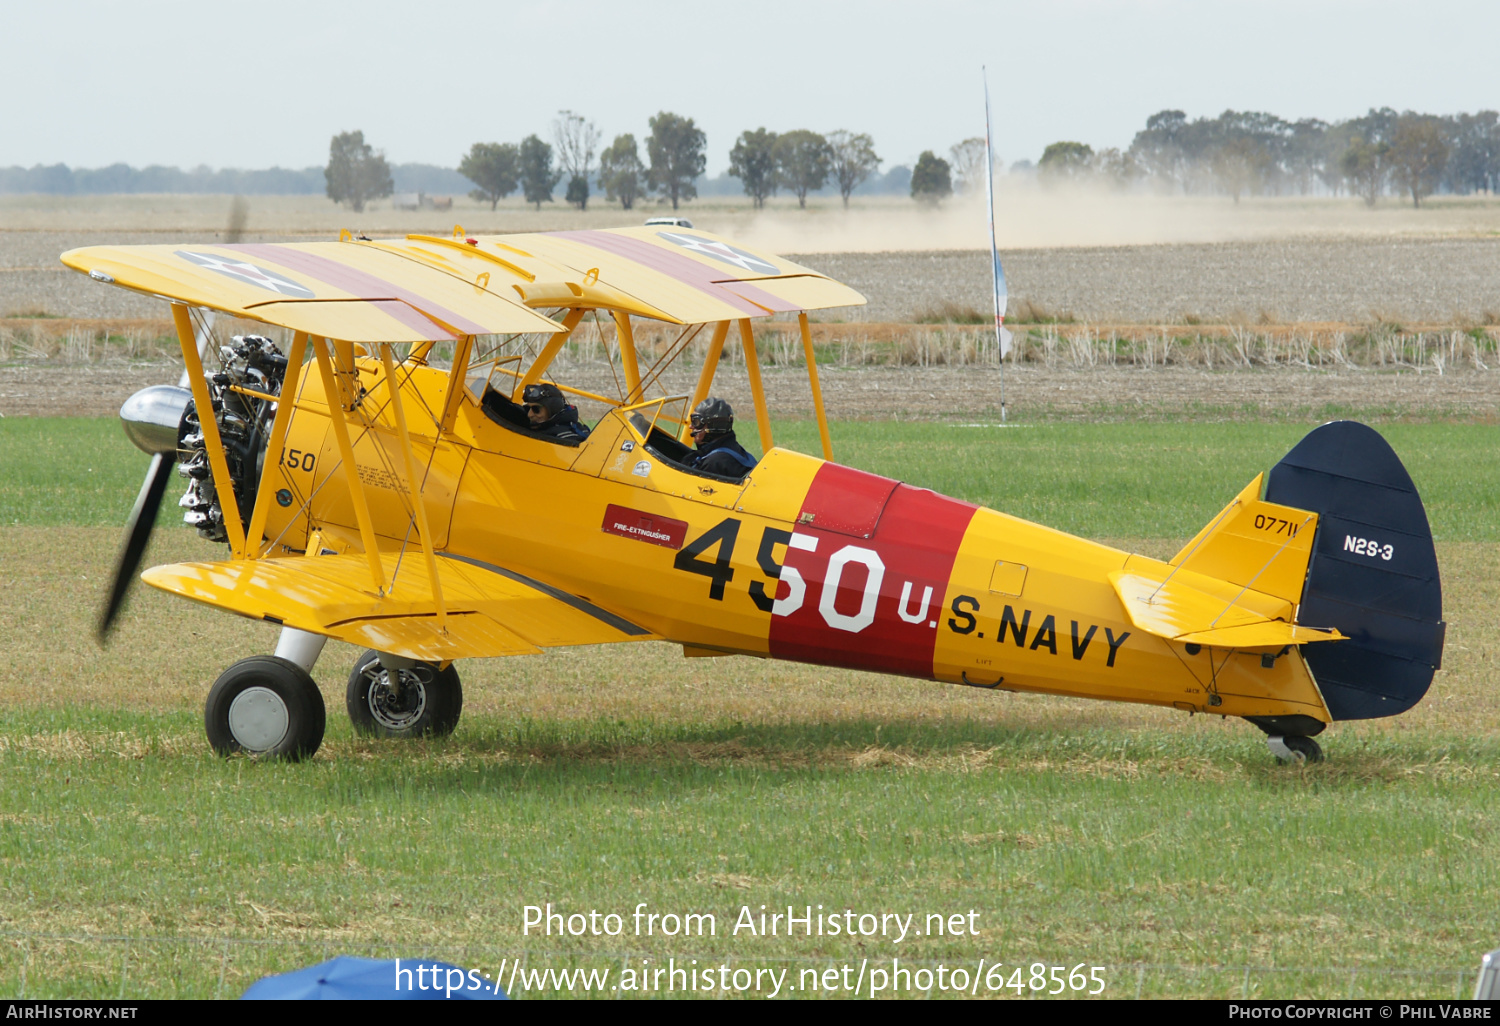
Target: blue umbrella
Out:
[372,979]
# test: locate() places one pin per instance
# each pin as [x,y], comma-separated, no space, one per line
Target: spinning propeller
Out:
[151,418]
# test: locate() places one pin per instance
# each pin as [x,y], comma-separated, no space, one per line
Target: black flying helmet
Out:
[549,397]
[714,415]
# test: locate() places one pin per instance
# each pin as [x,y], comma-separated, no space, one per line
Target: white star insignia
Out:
[721,251]
[249,273]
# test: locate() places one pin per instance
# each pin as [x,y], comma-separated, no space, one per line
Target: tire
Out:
[429,703]
[1306,747]
[265,706]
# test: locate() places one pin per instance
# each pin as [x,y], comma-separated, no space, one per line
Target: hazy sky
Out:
[89,83]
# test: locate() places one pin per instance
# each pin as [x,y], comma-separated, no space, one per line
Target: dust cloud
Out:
[1034,217]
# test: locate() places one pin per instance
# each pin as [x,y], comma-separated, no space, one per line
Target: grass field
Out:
[1171,850]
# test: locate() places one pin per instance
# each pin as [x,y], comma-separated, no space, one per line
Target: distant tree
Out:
[1366,167]
[493,168]
[356,173]
[1159,148]
[753,162]
[802,162]
[1418,154]
[1375,126]
[1065,161]
[577,139]
[578,192]
[851,160]
[1306,153]
[1474,165]
[537,175]
[1240,165]
[1247,152]
[931,179]
[621,170]
[676,148]
[897,180]
[1336,141]
[968,164]
[1117,168]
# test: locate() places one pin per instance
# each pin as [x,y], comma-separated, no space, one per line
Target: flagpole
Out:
[997,273]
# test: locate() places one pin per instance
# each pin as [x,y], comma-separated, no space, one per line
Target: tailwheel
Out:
[1294,749]
[414,701]
[265,706]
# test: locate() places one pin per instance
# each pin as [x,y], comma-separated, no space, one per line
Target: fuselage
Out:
[805,560]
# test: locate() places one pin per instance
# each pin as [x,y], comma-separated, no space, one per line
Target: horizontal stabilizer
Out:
[490,611]
[1190,608]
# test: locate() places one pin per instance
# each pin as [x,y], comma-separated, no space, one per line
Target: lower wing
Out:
[488,610]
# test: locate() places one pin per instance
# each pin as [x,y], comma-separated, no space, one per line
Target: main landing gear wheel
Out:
[1295,749]
[265,706]
[420,701]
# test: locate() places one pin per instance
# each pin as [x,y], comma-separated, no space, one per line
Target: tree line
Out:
[59,179]
[1237,153]
[1254,153]
[800,161]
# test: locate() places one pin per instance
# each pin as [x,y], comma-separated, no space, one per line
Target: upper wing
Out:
[688,276]
[429,288]
[490,611]
[352,291]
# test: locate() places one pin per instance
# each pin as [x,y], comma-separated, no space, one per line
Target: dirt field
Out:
[1096,257]
[1453,280]
[926,393]
[1295,280]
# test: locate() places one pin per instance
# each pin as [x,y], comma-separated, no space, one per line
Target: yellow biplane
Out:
[366,494]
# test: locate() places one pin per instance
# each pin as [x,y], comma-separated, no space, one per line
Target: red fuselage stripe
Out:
[883,610]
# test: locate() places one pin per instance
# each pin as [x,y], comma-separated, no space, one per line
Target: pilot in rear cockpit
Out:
[718,451]
[542,410]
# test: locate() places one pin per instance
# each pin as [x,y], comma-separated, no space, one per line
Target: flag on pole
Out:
[1002,337]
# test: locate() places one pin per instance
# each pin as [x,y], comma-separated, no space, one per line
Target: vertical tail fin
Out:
[1255,544]
[1372,574]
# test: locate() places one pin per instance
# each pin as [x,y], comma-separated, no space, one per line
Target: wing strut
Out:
[203,403]
[336,413]
[706,376]
[549,352]
[284,407]
[812,380]
[463,349]
[628,358]
[757,390]
[414,488]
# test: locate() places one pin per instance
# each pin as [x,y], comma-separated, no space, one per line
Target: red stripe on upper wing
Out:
[883,612]
[360,284]
[746,298]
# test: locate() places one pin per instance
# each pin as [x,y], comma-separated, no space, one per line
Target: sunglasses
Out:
[534,408]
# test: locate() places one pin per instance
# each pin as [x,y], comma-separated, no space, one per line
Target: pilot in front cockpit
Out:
[542,410]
